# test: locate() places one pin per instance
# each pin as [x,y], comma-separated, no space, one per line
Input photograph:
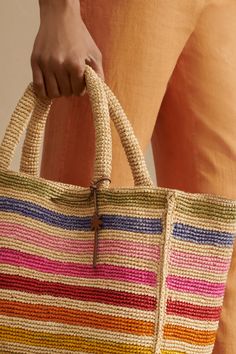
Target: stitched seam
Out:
[164,270]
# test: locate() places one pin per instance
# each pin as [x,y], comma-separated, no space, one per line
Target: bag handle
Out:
[18,123]
[104,104]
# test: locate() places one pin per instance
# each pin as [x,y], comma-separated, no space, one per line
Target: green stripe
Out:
[43,188]
[206,209]
[141,197]
[148,198]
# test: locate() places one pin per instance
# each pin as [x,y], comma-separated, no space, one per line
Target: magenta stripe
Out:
[103,271]
[195,286]
[190,260]
[52,242]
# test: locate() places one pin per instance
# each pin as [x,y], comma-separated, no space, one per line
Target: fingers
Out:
[38,80]
[44,80]
[63,80]
[53,79]
[51,85]
[77,78]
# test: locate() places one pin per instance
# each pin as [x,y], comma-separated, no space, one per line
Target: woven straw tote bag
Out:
[106,270]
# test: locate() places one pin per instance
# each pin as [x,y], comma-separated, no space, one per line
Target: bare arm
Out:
[62,47]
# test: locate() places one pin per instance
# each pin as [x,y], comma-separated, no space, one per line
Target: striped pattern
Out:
[158,287]
[199,251]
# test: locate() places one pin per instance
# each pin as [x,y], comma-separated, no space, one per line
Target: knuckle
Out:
[77,66]
[66,64]
[42,61]
[37,61]
[55,63]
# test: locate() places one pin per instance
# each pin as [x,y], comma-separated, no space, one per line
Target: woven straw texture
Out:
[162,259]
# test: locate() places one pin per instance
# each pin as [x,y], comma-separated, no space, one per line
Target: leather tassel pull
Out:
[96,221]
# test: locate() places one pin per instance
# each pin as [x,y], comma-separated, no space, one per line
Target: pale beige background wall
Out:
[19,20]
[18,26]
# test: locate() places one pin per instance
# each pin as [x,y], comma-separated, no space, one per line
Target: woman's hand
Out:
[62,48]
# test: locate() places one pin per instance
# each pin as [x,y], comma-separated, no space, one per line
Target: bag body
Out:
[148,278]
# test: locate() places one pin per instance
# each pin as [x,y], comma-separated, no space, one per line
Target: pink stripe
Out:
[193,261]
[195,286]
[103,271]
[106,246]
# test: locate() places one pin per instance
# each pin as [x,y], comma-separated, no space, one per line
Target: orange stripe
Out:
[189,335]
[75,317]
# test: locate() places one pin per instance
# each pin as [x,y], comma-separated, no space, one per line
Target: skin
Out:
[62,47]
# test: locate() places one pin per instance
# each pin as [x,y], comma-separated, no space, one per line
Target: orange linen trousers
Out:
[172,64]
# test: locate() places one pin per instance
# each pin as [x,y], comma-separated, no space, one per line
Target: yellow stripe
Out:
[171,352]
[10,348]
[186,348]
[19,348]
[68,342]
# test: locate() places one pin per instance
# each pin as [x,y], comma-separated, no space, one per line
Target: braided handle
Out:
[18,123]
[103,157]
[128,139]
[104,105]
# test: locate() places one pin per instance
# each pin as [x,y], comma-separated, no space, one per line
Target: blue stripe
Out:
[202,236]
[80,223]
[133,224]
[42,214]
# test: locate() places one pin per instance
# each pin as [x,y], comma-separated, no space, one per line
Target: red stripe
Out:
[184,309]
[83,293]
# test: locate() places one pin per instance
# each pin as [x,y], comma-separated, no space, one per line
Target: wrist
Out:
[58,5]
